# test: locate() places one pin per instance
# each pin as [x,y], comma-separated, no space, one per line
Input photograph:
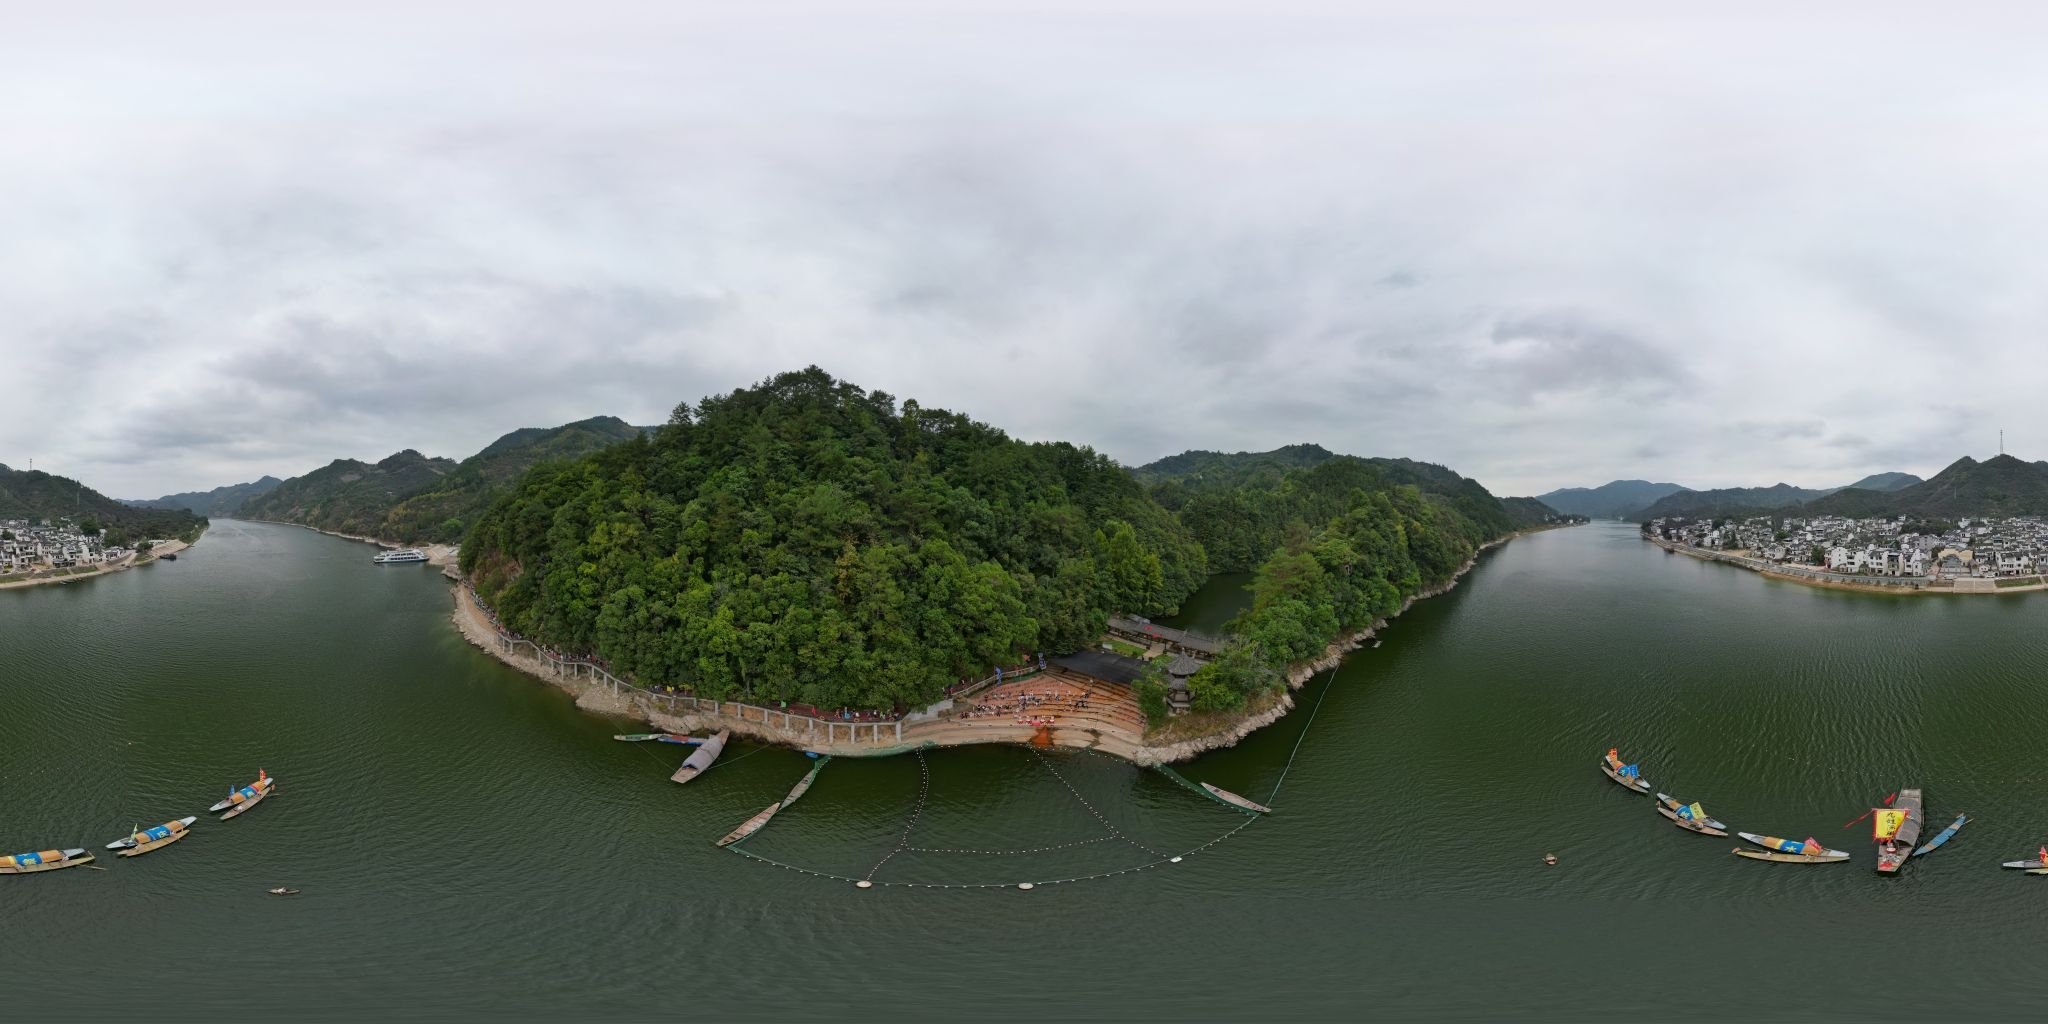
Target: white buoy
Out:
[863,884]
[1176,860]
[1023,885]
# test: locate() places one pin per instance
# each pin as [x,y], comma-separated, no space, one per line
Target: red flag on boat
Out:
[2044,856]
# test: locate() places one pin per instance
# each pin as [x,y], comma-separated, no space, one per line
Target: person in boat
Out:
[1550,859]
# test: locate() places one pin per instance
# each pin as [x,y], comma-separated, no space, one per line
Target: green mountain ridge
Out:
[1616,499]
[33,494]
[348,495]
[1998,486]
[221,501]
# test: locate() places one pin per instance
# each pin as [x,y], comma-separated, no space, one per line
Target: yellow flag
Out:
[1886,823]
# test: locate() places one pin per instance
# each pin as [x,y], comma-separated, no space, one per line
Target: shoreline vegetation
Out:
[441,556]
[1180,739]
[1820,580]
[169,547]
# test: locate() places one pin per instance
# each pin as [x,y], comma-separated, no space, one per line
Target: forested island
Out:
[806,540]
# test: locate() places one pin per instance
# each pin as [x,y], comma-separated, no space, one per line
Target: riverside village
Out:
[1969,554]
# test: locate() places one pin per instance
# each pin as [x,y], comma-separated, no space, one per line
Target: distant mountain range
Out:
[221,501]
[1998,486]
[1641,499]
[35,495]
[407,496]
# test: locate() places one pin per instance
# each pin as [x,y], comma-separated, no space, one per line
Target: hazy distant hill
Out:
[221,501]
[413,499]
[1998,486]
[447,507]
[1620,499]
[347,495]
[34,494]
[1722,501]
[1886,481]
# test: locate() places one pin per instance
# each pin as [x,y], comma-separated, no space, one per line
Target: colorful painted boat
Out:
[1944,836]
[246,797]
[1628,775]
[1833,857]
[1896,829]
[1810,848]
[701,758]
[148,839]
[1682,812]
[43,860]
[1234,800]
[1690,825]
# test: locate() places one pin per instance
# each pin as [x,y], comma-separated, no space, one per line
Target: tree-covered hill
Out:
[1724,501]
[1998,486]
[221,501]
[1619,499]
[808,540]
[447,506]
[1242,507]
[36,495]
[346,495]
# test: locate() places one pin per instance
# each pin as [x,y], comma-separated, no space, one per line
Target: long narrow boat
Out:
[1896,829]
[2029,864]
[691,741]
[638,737]
[1234,800]
[1691,824]
[1675,810]
[751,825]
[44,860]
[701,758]
[1833,857]
[246,797]
[804,784]
[1625,774]
[1944,836]
[1808,852]
[156,838]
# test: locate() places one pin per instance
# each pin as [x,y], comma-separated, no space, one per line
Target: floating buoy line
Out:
[1112,832]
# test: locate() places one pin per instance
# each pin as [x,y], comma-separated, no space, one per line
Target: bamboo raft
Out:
[802,784]
[701,758]
[1234,800]
[750,826]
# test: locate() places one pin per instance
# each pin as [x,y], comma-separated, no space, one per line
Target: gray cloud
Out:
[1805,255]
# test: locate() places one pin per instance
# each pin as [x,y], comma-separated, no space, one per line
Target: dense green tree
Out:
[806,540]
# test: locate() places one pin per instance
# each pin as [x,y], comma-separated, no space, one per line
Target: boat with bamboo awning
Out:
[248,796]
[44,860]
[144,840]
[700,759]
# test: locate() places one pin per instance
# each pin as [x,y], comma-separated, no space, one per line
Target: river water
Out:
[471,846]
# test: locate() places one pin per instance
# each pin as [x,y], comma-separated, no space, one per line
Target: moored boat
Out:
[144,840]
[246,797]
[1234,800]
[751,825]
[700,759]
[1896,829]
[1688,814]
[1691,824]
[44,860]
[1943,836]
[1831,857]
[1629,775]
[1810,851]
[401,556]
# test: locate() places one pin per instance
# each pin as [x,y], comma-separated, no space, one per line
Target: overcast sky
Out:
[1544,244]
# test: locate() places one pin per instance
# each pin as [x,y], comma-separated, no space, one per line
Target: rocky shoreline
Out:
[599,697]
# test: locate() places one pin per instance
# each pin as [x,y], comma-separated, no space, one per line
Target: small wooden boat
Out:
[2037,871]
[282,891]
[689,741]
[1832,857]
[751,825]
[1896,829]
[2028,864]
[1943,836]
[1234,800]
[1625,774]
[246,797]
[1808,849]
[43,860]
[1677,810]
[701,758]
[1690,825]
[638,737]
[804,784]
[145,840]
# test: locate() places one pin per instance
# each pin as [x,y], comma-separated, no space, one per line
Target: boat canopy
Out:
[29,860]
[1812,847]
[151,835]
[1693,813]
[1885,823]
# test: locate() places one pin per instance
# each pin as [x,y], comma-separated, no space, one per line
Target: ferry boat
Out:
[1896,829]
[400,557]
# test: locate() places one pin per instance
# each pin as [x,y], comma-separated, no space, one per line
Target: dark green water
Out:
[471,846]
